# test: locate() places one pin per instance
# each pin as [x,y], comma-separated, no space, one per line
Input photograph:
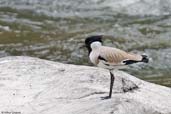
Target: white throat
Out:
[95,45]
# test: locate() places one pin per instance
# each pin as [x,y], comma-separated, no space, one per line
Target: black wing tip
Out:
[128,62]
[145,58]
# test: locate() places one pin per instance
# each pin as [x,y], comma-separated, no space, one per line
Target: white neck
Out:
[95,45]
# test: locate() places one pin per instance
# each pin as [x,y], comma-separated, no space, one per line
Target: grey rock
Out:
[34,86]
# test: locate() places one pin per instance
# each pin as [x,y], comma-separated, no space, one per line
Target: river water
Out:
[56,29]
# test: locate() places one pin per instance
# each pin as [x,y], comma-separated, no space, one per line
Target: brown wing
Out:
[116,56]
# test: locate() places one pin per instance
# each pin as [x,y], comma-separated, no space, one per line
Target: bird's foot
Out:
[106,97]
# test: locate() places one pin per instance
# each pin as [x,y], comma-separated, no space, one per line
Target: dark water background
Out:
[56,29]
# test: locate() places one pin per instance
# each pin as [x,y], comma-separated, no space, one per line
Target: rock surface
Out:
[34,86]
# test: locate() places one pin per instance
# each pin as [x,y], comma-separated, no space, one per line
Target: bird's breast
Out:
[94,57]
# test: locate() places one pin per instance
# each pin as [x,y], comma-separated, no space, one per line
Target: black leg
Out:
[112,78]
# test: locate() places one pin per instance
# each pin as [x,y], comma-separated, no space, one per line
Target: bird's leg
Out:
[112,78]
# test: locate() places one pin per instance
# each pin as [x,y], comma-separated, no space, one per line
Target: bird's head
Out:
[92,39]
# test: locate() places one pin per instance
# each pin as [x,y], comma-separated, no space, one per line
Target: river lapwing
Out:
[110,58]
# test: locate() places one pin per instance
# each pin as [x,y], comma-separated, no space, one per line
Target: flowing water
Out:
[56,29]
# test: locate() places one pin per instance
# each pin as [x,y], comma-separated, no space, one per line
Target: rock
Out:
[32,86]
[5,28]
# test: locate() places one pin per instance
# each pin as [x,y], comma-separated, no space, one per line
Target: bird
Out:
[110,58]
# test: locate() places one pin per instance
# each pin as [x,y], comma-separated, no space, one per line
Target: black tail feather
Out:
[145,58]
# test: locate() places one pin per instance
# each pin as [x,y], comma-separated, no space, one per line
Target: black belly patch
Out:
[128,62]
[101,58]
